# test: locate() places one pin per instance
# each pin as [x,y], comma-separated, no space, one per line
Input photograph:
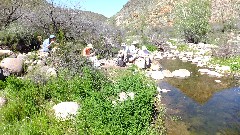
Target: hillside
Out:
[160,13]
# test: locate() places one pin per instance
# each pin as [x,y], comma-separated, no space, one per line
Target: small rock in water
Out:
[162,90]
[218,81]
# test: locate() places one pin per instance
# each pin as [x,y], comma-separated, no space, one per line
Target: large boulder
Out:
[66,110]
[5,53]
[13,65]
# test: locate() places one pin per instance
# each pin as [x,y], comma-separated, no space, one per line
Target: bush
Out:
[151,47]
[192,20]
[29,107]
[100,116]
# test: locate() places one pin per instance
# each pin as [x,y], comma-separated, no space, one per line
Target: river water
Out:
[200,105]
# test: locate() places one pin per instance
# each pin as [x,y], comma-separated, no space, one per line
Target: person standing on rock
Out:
[48,44]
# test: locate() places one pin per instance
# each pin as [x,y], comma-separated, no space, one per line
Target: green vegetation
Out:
[233,62]
[151,47]
[192,20]
[29,107]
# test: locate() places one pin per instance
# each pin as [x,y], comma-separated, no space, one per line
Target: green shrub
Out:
[29,107]
[192,20]
[233,62]
[151,47]
[100,116]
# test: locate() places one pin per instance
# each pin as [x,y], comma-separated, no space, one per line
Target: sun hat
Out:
[90,45]
[52,36]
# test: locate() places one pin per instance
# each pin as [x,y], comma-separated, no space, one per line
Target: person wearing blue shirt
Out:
[47,43]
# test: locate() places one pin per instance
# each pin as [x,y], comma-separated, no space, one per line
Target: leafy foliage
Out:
[192,20]
[29,107]
[151,47]
[233,62]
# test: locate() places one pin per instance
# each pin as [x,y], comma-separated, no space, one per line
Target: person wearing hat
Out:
[48,43]
[87,50]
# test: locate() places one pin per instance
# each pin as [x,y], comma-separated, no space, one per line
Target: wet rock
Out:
[203,71]
[157,75]
[14,65]
[214,74]
[167,73]
[181,73]
[162,90]
[66,110]
[218,81]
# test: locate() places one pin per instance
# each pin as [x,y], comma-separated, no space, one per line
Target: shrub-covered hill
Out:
[160,13]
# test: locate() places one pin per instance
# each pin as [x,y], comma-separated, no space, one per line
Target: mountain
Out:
[160,13]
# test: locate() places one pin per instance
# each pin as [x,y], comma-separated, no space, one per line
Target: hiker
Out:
[48,44]
[87,51]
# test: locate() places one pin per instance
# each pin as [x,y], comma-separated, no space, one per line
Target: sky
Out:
[107,8]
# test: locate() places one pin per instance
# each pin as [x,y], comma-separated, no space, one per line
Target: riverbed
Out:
[202,105]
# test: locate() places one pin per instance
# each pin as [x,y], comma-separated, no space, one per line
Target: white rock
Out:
[182,73]
[51,72]
[22,56]
[223,68]
[3,101]
[5,52]
[184,59]
[131,95]
[214,74]
[203,71]
[123,96]
[162,90]
[157,75]
[14,65]
[218,81]
[29,69]
[66,110]
[167,73]
[140,63]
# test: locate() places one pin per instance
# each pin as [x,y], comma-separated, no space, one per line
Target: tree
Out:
[10,11]
[192,20]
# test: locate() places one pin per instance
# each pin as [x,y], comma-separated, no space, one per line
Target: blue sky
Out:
[106,7]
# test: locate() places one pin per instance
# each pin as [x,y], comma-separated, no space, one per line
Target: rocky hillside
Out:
[159,13]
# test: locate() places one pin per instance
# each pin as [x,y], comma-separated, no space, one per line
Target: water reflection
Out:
[206,107]
[198,87]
